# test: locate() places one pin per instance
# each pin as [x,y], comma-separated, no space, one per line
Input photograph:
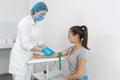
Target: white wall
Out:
[11,11]
[102,18]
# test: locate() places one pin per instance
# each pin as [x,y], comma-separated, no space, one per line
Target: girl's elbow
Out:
[78,75]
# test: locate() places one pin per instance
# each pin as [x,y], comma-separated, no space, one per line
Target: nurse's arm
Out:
[36,48]
[42,45]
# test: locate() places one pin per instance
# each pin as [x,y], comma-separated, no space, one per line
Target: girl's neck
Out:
[78,45]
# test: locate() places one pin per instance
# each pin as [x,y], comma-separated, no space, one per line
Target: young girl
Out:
[77,54]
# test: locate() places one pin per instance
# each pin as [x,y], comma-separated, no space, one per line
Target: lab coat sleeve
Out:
[40,43]
[40,36]
[24,32]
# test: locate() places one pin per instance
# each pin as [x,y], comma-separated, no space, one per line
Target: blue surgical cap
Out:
[39,6]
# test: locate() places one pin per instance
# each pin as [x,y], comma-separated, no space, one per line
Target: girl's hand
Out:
[43,56]
[36,55]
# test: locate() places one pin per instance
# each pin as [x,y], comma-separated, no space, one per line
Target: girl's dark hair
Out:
[82,32]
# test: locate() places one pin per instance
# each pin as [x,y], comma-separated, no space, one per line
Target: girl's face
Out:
[71,37]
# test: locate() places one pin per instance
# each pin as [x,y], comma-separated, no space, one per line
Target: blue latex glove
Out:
[47,51]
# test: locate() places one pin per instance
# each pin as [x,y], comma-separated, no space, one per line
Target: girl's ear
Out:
[77,36]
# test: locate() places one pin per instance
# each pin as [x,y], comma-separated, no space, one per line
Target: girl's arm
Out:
[79,71]
[64,53]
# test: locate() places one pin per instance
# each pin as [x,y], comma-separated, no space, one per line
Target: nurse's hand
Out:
[42,46]
[47,51]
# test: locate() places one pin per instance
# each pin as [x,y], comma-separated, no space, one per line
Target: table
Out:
[47,60]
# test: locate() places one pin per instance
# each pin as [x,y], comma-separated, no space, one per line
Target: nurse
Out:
[28,40]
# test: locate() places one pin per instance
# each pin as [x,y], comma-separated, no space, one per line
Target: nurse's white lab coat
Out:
[28,35]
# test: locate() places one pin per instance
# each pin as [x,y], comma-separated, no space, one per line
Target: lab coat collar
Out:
[31,20]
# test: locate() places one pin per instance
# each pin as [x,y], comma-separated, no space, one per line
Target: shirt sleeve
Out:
[24,32]
[39,43]
[82,54]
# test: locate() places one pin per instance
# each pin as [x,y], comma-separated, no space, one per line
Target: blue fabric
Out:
[47,51]
[39,18]
[56,79]
[40,6]
[83,78]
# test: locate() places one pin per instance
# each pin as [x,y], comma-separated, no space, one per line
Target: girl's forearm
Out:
[43,56]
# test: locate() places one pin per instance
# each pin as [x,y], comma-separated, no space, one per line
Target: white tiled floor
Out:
[5,76]
[8,76]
